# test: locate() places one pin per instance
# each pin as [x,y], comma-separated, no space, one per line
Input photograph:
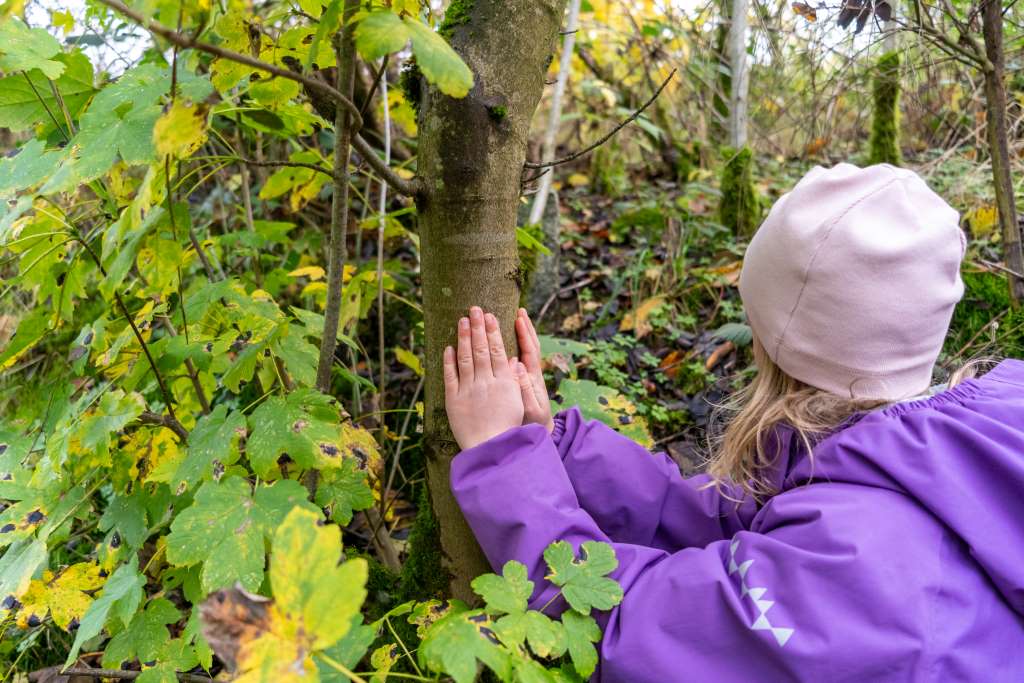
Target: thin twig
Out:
[409,188]
[606,138]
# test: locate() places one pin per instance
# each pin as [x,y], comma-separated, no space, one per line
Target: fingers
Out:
[465,352]
[530,404]
[451,375]
[481,355]
[499,363]
[529,344]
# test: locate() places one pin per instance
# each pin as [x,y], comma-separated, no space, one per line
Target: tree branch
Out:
[185,41]
[171,423]
[606,138]
[409,188]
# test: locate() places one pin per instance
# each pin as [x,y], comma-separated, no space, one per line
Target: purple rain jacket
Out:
[896,553]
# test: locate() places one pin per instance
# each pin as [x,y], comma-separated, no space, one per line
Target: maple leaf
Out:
[226,529]
[584,583]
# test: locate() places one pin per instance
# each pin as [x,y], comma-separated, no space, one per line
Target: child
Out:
[858,531]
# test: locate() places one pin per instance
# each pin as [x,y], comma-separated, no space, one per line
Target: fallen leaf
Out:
[573,323]
[637,320]
[718,354]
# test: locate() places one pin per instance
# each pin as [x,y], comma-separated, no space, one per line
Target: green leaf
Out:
[17,566]
[347,651]
[305,425]
[584,583]
[25,99]
[455,642]
[440,64]
[598,402]
[739,334]
[581,632]
[122,594]
[380,33]
[343,490]
[145,636]
[327,26]
[508,593]
[23,48]
[31,329]
[549,346]
[212,447]
[127,514]
[226,528]
[29,167]
[310,588]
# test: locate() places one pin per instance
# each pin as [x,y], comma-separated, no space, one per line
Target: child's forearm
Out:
[641,497]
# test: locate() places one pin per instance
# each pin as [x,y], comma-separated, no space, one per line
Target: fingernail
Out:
[464,323]
[475,312]
[448,350]
[491,320]
[522,311]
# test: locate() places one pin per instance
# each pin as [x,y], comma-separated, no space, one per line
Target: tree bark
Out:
[471,153]
[995,100]
[740,74]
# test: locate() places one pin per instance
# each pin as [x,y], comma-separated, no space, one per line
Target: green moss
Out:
[410,81]
[498,113]
[687,161]
[382,586]
[884,143]
[608,169]
[649,220]
[740,207]
[456,15]
[424,575]
[986,296]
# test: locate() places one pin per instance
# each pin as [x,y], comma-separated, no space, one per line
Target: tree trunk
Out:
[995,100]
[471,153]
[551,132]
[740,75]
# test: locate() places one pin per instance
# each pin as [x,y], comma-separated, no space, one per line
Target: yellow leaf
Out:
[261,295]
[579,180]
[181,130]
[64,596]
[636,320]
[404,173]
[409,360]
[983,220]
[312,272]
[63,20]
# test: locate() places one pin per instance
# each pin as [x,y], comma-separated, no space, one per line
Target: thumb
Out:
[530,403]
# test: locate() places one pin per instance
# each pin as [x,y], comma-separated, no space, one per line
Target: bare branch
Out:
[606,138]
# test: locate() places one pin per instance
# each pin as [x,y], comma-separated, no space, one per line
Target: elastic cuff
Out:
[567,423]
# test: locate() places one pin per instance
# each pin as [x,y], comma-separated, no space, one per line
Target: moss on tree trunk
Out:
[884,144]
[740,206]
[470,162]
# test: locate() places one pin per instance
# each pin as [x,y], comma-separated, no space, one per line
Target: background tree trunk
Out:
[540,200]
[471,154]
[995,99]
[740,74]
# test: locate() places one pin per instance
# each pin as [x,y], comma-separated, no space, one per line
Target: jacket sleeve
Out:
[794,601]
[639,497]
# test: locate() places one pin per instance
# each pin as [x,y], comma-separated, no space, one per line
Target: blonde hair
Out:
[743,451]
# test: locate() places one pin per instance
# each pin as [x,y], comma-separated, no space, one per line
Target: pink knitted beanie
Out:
[851,281]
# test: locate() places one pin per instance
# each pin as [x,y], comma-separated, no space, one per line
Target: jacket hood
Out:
[958,454]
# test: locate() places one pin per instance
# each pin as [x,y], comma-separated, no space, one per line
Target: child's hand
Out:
[483,396]
[537,410]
